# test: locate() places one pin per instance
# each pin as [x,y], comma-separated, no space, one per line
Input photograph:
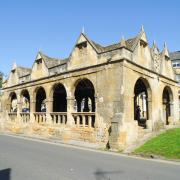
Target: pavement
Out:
[24,158]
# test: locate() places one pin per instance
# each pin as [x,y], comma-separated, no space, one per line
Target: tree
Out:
[1,79]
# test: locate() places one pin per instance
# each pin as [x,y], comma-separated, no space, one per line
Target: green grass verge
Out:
[166,144]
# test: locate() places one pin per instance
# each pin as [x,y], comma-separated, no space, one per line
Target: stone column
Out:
[96,124]
[32,109]
[70,109]
[149,121]
[164,114]
[19,107]
[49,109]
[7,110]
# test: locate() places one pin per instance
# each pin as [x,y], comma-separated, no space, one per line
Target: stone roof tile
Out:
[175,55]
[22,71]
[130,43]
[52,62]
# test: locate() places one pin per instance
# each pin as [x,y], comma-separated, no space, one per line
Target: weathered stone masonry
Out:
[105,95]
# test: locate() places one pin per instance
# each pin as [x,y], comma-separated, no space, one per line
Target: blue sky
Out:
[53,26]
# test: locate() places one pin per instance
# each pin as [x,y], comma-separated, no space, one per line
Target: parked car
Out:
[25,110]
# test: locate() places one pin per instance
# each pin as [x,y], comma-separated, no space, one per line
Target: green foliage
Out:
[1,79]
[166,144]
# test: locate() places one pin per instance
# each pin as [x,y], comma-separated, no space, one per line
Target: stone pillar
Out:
[96,124]
[171,115]
[19,107]
[117,139]
[32,109]
[7,110]
[49,109]
[149,121]
[70,109]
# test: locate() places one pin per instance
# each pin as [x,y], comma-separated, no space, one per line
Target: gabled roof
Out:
[102,49]
[130,44]
[22,71]
[175,55]
[52,62]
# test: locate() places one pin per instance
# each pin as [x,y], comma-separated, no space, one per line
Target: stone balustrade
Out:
[25,117]
[12,116]
[84,119]
[59,118]
[81,119]
[40,117]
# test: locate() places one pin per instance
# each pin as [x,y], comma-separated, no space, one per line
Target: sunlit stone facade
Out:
[104,95]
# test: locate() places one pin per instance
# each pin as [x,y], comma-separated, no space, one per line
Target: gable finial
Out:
[154,43]
[142,28]
[165,45]
[14,65]
[122,38]
[40,49]
[83,31]
[123,42]
[166,52]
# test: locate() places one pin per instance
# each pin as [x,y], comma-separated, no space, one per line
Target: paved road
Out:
[22,159]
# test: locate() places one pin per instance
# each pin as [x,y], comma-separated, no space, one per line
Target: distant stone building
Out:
[175,58]
[107,95]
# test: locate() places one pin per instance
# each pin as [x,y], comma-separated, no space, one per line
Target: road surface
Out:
[24,159]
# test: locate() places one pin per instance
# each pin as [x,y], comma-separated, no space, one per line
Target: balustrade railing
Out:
[84,119]
[12,116]
[59,117]
[81,119]
[25,117]
[40,117]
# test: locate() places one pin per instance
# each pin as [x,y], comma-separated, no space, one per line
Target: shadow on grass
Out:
[103,175]
[5,174]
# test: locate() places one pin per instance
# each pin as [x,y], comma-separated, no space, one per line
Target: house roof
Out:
[52,62]
[22,71]
[130,44]
[175,55]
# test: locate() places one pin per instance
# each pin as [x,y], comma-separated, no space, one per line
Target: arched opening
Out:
[25,99]
[84,95]
[41,100]
[85,102]
[141,106]
[167,101]
[13,102]
[59,99]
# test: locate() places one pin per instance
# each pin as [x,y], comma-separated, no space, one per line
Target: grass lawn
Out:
[166,144]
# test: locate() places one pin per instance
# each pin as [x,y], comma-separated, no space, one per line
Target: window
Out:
[39,64]
[178,77]
[82,48]
[176,63]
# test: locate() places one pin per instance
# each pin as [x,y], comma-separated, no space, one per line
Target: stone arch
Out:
[59,96]
[72,86]
[167,102]
[40,99]
[84,95]
[51,90]
[142,101]
[12,102]
[25,100]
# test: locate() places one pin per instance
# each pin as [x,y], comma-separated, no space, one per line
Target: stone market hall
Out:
[107,95]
